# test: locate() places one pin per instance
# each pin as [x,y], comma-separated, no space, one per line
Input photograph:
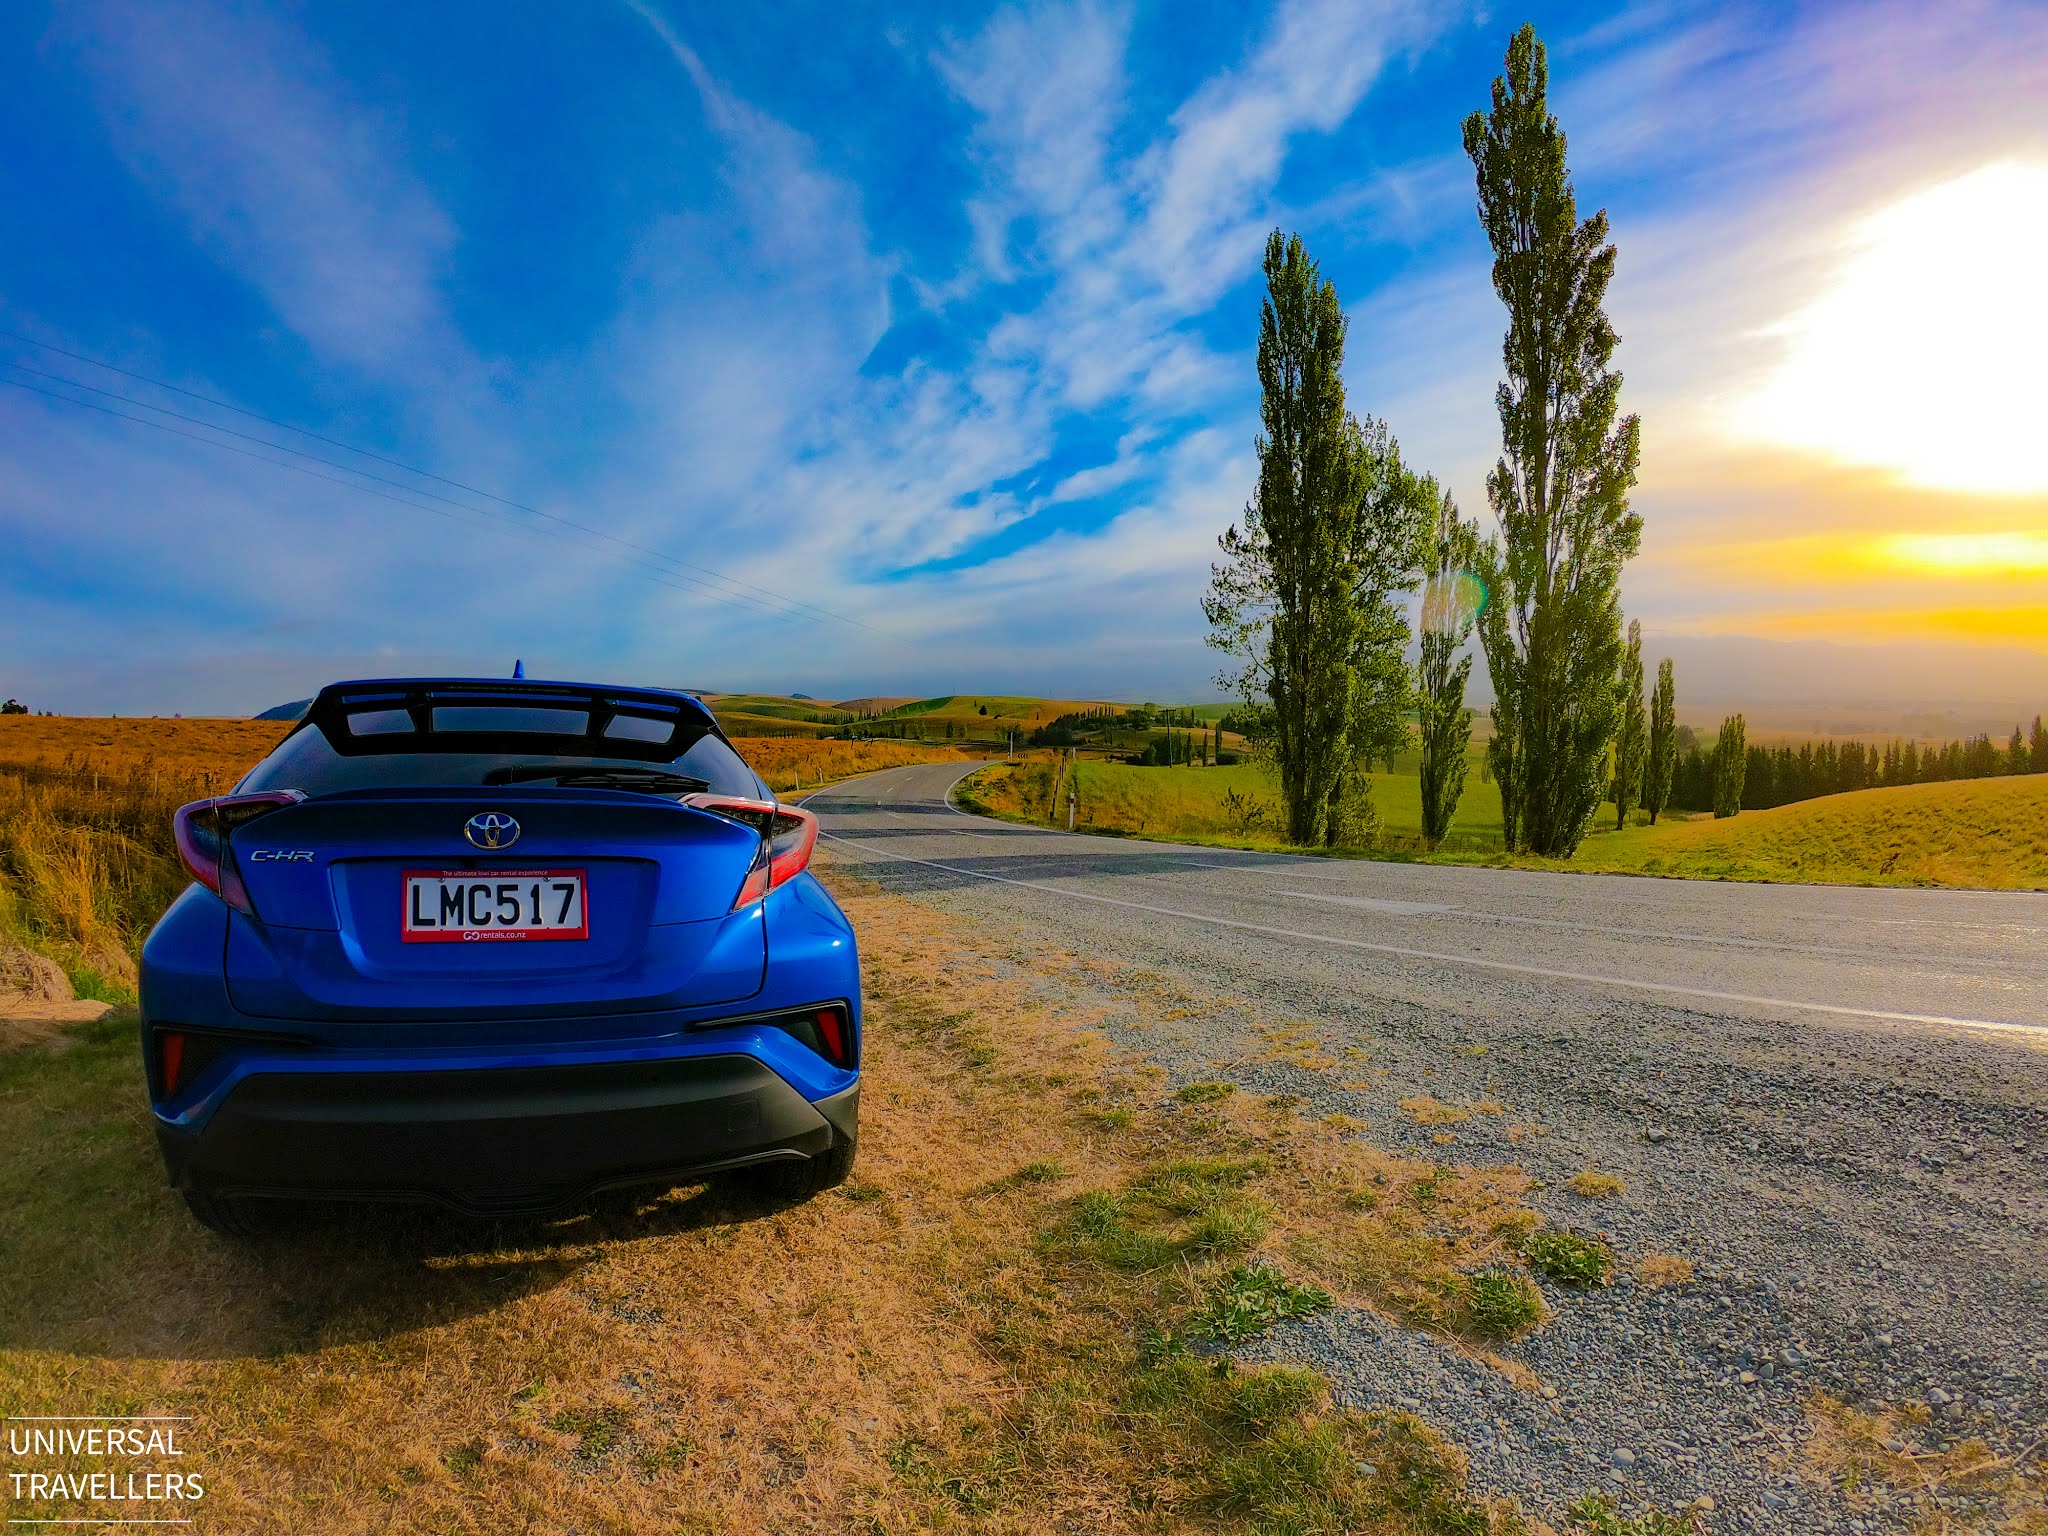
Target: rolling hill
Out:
[1976,832]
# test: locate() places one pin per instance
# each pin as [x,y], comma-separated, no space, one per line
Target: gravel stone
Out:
[1812,1176]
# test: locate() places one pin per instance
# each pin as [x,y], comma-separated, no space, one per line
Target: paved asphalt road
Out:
[1833,1102]
[1976,960]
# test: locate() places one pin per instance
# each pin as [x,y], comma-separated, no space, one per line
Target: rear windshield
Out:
[305,762]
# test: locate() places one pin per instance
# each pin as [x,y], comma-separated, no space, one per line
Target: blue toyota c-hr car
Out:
[497,945]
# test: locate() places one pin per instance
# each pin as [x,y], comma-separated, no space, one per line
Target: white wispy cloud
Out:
[307,198]
[730,409]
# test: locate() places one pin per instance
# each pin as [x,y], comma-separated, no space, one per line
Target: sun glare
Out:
[1968,554]
[1927,355]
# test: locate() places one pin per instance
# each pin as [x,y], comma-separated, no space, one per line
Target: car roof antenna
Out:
[518,671]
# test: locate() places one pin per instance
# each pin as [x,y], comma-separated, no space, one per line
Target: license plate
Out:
[453,906]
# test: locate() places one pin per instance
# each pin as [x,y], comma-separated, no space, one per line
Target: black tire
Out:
[800,1181]
[234,1216]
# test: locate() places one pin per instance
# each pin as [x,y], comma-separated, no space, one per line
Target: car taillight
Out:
[181,1055]
[838,1038]
[825,1029]
[788,836]
[203,829]
[170,1061]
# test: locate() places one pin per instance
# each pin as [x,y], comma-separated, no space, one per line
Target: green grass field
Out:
[1989,833]
[1195,804]
[1978,832]
[987,717]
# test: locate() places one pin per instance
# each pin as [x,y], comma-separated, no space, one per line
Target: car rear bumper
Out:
[500,1140]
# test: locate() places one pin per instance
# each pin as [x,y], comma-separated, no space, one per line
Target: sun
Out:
[1927,354]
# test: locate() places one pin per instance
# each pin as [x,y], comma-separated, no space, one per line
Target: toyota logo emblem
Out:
[491,830]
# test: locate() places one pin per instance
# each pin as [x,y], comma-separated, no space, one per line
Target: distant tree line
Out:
[1177,736]
[1784,774]
[876,728]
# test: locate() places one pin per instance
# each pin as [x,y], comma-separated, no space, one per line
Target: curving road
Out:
[1953,959]
[1832,1101]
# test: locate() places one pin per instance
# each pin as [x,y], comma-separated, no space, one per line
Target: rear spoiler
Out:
[502,718]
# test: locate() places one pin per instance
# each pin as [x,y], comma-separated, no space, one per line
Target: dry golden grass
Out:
[1658,1270]
[1884,1458]
[178,750]
[1295,1045]
[791,763]
[956,1339]
[1978,832]
[86,858]
[1424,1109]
[1591,1184]
[87,862]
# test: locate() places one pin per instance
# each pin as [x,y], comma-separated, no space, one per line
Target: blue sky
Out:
[938,319]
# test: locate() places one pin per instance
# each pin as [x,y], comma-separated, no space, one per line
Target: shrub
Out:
[1245,813]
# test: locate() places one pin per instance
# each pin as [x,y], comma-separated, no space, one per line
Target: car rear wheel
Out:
[234,1216]
[799,1181]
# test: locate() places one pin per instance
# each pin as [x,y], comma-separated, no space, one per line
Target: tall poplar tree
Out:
[1560,489]
[1306,595]
[1282,599]
[1632,740]
[1504,750]
[1448,613]
[1663,742]
[1388,550]
[1731,766]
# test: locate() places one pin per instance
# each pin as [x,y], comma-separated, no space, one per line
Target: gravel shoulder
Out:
[1863,1205]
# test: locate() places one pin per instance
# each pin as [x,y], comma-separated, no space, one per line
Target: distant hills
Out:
[296,710]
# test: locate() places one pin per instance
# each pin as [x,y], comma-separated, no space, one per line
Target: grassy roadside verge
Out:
[1237,805]
[1012,1320]
[1987,834]
[1977,834]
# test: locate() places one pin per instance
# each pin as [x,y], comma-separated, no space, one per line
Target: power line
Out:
[424,474]
[347,469]
[670,579]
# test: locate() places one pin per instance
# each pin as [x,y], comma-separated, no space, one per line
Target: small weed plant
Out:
[1595,1515]
[1502,1304]
[1252,1298]
[1569,1258]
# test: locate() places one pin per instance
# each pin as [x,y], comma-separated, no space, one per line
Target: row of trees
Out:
[1706,777]
[1310,597]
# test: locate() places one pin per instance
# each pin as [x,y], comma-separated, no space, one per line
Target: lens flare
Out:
[1452,603]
